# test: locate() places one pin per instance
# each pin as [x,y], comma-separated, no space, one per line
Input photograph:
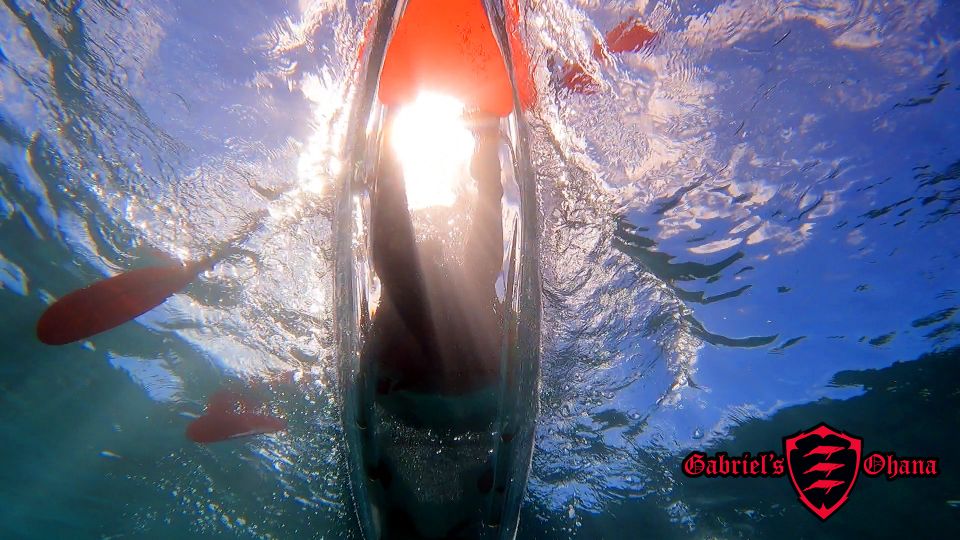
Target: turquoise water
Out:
[750,229]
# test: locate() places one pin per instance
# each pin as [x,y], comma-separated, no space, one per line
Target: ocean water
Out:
[750,228]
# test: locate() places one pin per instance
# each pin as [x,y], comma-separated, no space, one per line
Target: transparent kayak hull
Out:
[450,465]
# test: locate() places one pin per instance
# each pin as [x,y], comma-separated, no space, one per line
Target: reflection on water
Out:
[759,199]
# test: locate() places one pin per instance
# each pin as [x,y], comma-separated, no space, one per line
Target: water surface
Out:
[744,231]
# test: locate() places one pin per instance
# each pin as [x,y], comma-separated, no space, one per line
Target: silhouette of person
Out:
[438,329]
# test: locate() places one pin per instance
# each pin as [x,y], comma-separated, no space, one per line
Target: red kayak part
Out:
[522,67]
[448,47]
[226,418]
[109,303]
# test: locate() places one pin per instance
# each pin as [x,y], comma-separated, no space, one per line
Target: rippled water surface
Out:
[749,228]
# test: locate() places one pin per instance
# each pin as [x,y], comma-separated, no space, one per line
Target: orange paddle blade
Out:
[448,47]
[226,417]
[629,36]
[216,427]
[224,401]
[109,303]
[575,79]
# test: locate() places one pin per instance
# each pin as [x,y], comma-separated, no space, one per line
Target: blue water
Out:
[750,229]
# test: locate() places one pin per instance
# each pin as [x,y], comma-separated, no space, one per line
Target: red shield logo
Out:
[823,464]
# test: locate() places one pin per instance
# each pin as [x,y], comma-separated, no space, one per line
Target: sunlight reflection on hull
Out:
[434,147]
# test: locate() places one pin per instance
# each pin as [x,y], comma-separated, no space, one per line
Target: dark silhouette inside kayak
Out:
[432,357]
[437,329]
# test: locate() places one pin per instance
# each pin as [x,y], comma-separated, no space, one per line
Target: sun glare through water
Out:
[434,147]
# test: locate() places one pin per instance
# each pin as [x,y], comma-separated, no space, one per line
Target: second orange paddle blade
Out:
[109,303]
